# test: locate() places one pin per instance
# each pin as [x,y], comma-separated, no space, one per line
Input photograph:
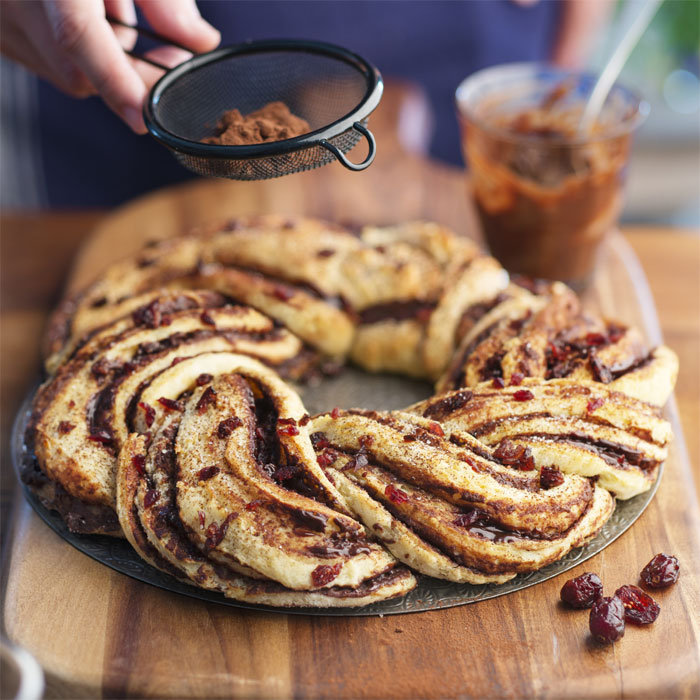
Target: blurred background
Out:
[664,176]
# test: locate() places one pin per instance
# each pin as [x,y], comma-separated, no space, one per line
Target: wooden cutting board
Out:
[98,633]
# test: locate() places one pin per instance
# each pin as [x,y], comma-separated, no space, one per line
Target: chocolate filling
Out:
[613,453]
[80,517]
[412,309]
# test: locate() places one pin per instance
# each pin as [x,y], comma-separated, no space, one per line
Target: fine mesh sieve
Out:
[333,89]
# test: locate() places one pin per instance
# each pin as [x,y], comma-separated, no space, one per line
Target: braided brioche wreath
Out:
[167,417]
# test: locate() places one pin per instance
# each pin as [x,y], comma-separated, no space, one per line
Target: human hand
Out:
[71,44]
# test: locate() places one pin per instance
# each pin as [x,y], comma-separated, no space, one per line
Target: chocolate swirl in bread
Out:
[84,413]
[444,504]
[583,427]
[261,511]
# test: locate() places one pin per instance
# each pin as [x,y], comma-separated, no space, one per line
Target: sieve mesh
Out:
[331,88]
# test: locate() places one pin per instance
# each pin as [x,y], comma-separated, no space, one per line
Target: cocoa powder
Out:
[273,122]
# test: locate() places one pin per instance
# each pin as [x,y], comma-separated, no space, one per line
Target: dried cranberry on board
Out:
[607,620]
[661,571]
[640,607]
[523,395]
[582,591]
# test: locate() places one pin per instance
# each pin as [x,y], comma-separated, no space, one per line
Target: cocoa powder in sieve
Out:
[273,122]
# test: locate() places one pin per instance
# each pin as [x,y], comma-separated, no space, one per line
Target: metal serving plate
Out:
[350,388]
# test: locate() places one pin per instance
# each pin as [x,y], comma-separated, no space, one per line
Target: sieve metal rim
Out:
[375,87]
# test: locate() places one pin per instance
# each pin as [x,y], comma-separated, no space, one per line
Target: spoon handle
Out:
[616,62]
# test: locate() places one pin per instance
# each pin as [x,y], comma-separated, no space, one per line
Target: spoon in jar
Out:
[617,60]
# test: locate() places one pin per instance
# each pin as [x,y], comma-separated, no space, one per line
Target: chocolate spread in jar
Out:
[545,194]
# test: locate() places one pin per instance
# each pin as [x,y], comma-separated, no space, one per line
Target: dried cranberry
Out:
[206,319]
[202,519]
[208,398]
[285,472]
[253,504]
[436,429]
[203,379]
[594,404]
[282,293]
[516,456]
[395,495]
[661,571]
[335,413]
[305,419]
[319,441]
[215,533]
[149,413]
[523,395]
[595,339]
[64,427]
[582,591]
[287,430]
[498,383]
[325,459]
[550,477]
[169,404]
[151,497]
[139,464]
[607,620]
[227,426]
[323,575]
[287,421]
[207,473]
[516,379]
[556,352]
[366,440]
[640,607]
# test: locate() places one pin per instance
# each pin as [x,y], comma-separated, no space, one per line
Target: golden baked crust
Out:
[167,419]
[234,525]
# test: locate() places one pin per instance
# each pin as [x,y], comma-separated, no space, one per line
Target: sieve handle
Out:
[343,158]
[145,31]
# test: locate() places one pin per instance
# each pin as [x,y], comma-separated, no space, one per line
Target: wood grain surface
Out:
[100,633]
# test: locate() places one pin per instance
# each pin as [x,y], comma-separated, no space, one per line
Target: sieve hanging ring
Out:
[344,159]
